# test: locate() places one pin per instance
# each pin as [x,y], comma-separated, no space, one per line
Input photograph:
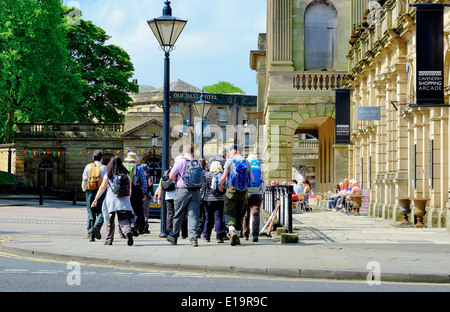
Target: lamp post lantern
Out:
[202,107]
[166,29]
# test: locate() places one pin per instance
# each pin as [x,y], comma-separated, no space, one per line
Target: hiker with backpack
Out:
[92,178]
[169,193]
[238,175]
[255,195]
[117,187]
[188,174]
[213,200]
[139,192]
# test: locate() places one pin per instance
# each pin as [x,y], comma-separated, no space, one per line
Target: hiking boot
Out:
[255,239]
[108,242]
[130,239]
[135,232]
[96,231]
[172,240]
[194,242]
[234,239]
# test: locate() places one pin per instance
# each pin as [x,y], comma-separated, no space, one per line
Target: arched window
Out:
[320,36]
[155,165]
[45,173]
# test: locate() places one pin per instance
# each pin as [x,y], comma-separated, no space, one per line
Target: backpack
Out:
[215,184]
[121,185]
[193,176]
[94,179]
[167,184]
[255,185]
[132,170]
[239,177]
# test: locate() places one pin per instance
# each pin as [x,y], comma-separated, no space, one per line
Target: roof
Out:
[179,86]
[133,132]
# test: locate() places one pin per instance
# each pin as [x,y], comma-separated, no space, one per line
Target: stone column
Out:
[280,34]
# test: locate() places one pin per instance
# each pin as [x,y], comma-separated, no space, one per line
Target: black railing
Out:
[277,202]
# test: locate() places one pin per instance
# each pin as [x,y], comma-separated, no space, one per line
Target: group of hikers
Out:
[224,193]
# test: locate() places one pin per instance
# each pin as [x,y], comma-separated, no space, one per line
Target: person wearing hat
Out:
[138,191]
[95,216]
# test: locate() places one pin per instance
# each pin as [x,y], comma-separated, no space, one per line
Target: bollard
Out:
[41,196]
[74,202]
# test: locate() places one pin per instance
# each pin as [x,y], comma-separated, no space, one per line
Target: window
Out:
[320,36]
[222,115]
[155,165]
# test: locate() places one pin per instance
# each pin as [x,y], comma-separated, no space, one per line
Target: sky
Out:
[214,46]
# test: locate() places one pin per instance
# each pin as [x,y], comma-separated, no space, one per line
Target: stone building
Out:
[404,152]
[299,62]
[54,155]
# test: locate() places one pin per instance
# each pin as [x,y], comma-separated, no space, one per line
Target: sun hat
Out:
[131,156]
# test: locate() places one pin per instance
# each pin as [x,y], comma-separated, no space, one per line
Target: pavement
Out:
[331,245]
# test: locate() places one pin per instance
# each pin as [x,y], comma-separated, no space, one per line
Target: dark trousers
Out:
[213,218]
[234,207]
[253,209]
[136,204]
[124,224]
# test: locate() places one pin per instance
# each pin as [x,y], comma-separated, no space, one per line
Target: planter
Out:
[356,204]
[419,211]
[405,209]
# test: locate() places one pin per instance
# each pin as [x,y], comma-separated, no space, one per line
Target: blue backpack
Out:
[255,185]
[239,177]
[193,176]
[215,184]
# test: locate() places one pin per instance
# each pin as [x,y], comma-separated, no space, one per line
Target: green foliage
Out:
[35,82]
[105,70]
[55,71]
[223,87]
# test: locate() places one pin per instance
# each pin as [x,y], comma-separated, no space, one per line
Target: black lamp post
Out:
[154,145]
[166,29]
[202,107]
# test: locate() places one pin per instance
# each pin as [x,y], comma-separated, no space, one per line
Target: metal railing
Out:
[277,202]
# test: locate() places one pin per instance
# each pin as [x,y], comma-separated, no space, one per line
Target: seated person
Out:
[337,189]
[355,190]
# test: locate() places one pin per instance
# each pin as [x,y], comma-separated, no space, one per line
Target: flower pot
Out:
[420,211]
[356,204]
[405,209]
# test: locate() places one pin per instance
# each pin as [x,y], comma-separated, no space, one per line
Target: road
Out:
[19,273]
[25,273]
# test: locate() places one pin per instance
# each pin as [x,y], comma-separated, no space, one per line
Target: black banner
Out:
[429,53]
[342,125]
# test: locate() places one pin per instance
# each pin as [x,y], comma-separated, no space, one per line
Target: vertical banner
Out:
[342,125]
[429,53]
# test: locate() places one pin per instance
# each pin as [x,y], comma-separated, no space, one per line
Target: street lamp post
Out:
[166,29]
[154,145]
[202,107]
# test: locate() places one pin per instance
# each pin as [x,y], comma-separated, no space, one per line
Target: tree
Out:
[223,87]
[105,70]
[53,70]
[35,84]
